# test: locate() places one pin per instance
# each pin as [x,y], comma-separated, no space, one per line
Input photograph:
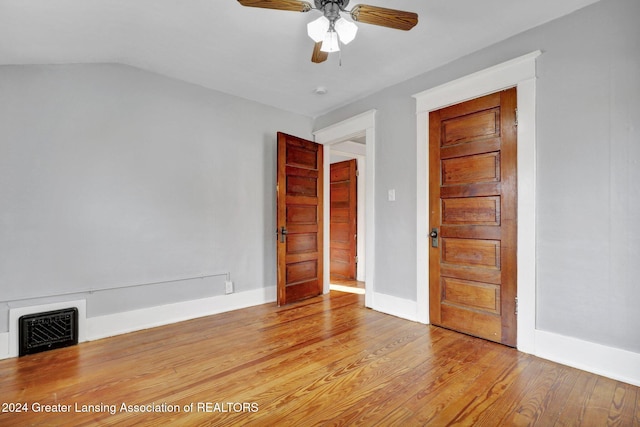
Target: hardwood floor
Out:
[324,361]
[347,282]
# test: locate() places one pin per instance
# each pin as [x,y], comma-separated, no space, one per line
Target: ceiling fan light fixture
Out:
[330,42]
[318,29]
[346,30]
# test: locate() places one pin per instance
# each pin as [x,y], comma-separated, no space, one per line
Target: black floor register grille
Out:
[46,331]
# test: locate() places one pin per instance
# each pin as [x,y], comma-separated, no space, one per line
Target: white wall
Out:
[588,171]
[111,176]
[589,176]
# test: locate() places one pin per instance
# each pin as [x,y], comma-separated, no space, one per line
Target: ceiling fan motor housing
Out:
[322,4]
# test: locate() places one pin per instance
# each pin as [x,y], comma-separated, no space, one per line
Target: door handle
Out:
[283,233]
[434,237]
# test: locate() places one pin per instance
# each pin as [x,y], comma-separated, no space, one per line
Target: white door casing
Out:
[354,127]
[519,72]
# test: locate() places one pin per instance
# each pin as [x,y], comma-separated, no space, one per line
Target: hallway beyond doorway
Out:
[345,285]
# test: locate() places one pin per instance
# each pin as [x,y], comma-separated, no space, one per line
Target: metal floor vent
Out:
[46,331]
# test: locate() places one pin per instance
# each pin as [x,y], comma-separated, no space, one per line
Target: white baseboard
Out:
[609,362]
[129,321]
[399,307]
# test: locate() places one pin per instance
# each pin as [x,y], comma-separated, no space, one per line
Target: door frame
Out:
[519,72]
[354,127]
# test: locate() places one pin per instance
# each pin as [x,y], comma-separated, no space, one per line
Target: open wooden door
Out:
[299,219]
[473,217]
[343,221]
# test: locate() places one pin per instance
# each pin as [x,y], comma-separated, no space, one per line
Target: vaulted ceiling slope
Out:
[260,54]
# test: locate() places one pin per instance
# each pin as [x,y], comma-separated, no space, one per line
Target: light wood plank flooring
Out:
[347,282]
[324,361]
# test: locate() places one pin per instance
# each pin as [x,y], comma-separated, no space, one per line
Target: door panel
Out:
[343,221]
[471,127]
[472,187]
[471,169]
[299,248]
[473,294]
[471,210]
[471,252]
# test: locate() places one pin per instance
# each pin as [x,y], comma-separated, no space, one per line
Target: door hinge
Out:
[357,173]
[516,123]
[356,259]
[516,305]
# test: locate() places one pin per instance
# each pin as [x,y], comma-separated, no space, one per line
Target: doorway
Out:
[519,72]
[347,216]
[358,128]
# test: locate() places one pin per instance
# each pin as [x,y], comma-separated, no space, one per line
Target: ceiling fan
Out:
[331,29]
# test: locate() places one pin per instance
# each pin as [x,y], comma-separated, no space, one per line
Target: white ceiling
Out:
[260,54]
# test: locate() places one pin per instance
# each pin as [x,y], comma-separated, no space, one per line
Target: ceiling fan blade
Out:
[293,5]
[391,18]
[319,56]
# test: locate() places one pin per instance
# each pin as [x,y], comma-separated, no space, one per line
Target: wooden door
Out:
[472,187]
[343,219]
[299,219]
